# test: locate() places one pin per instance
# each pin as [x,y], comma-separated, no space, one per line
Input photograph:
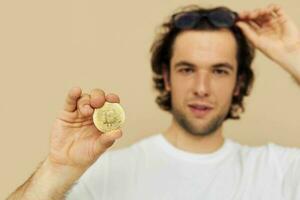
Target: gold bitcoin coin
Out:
[109,117]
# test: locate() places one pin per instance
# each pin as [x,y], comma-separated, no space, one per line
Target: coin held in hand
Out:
[109,117]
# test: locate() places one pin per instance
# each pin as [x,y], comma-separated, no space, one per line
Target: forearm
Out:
[297,77]
[294,70]
[292,65]
[47,183]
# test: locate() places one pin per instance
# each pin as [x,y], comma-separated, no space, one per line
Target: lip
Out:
[200,105]
[200,113]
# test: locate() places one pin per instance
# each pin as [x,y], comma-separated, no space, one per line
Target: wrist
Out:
[291,63]
[293,68]
[52,181]
[60,176]
[56,169]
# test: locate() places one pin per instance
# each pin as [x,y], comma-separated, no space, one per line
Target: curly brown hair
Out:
[161,53]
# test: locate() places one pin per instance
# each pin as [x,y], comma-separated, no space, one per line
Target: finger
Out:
[249,32]
[84,105]
[266,17]
[276,17]
[274,11]
[71,100]
[263,17]
[112,98]
[97,98]
[264,11]
[106,140]
[273,8]
[259,15]
[280,13]
[254,25]
[254,14]
[243,14]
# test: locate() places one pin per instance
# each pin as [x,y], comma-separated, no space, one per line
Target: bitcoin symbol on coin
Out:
[109,117]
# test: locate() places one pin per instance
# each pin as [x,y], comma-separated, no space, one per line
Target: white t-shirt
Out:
[153,169]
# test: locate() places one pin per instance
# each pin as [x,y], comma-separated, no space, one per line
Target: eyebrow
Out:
[219,65]
[184,63]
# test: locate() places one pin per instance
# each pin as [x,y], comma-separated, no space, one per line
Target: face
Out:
[202,79]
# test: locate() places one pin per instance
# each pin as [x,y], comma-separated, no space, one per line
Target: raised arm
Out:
[275,34]
[74,146]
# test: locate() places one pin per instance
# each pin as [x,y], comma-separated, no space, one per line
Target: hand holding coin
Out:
[76,140]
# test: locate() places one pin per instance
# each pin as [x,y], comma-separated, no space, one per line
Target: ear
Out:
[238,85]
[166,78]
[236,91]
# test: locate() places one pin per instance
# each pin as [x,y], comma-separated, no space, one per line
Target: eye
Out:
[221,72]
[186,70]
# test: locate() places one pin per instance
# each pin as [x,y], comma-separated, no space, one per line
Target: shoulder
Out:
[270,154]
[269,150]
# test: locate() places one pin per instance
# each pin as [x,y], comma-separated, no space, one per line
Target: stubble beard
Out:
[208,129]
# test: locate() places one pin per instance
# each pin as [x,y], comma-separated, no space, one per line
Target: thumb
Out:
[249,32]
[106,140]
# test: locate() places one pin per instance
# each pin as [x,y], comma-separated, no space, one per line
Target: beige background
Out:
[46,47]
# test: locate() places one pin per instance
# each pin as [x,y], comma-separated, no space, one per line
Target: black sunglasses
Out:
[221,18]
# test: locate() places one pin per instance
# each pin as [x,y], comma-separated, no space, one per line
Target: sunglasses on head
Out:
[221,18]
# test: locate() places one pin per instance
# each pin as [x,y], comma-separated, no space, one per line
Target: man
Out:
[202,69]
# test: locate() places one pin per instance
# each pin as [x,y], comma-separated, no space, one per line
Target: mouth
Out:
[200,110]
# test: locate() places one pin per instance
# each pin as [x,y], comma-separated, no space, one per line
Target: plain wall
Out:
[46,47]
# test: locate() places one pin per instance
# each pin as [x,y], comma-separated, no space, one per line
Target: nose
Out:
[201,87]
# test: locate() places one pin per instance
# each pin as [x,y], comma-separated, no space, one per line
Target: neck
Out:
[183,140]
